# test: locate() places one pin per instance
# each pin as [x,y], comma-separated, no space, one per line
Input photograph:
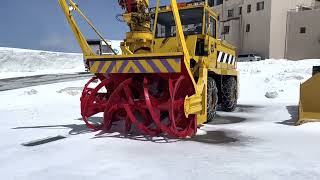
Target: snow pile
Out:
[73,91]
[16,62]
[272,94]
[24,62]
[277,80]
[31,92]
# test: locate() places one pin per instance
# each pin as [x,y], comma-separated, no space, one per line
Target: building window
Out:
[260,6]
[248,28]
[230,12]
[226,29]
[303,30]
[249,8]
[240,10]
[211,3]
[219,2]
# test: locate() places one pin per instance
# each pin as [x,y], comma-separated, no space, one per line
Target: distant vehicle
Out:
[99,47]
[249,57]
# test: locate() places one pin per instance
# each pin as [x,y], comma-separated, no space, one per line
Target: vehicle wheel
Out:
[229,94]
[212,99]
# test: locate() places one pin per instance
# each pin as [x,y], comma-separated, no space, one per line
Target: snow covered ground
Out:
[257,141]
[280,76]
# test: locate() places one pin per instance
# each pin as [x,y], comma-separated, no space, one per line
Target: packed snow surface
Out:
[257,141]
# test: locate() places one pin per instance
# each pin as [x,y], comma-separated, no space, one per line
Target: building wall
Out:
[227,5]
[268,27]
[278,26]
[257,40]
[222,10]
[306,45]
[233,37]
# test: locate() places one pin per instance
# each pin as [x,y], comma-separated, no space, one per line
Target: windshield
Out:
[191,20]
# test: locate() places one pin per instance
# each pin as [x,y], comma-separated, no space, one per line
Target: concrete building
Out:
[271,28]
[303,35]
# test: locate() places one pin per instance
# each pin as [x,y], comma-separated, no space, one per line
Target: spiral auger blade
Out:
[154,104]
[175,123]
[92,102]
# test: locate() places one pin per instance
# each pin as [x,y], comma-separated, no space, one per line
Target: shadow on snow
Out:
[210,137]
[294,116]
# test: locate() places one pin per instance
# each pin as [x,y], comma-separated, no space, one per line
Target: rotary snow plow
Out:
[309,106]
[170,77]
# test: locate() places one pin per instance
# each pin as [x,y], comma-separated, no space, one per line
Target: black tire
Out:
[212,99]
[229,94]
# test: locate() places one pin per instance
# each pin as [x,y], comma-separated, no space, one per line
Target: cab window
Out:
[213,25]
[191,20]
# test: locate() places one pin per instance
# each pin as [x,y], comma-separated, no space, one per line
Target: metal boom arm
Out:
[75,28]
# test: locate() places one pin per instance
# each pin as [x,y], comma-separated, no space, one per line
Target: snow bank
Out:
[24,62]
[280,77]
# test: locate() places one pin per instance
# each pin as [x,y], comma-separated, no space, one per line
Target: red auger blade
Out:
[153,103]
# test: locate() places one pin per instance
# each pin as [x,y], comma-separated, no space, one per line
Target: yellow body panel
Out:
[163,65]
[309,109]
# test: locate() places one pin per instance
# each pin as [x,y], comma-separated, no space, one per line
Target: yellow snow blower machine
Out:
[171,76]
[309,106]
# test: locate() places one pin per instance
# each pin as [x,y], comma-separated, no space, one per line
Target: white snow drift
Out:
[23,62]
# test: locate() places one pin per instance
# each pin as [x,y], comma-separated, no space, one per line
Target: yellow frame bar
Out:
[75,28]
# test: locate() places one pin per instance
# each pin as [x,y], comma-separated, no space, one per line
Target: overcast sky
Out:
[40,24]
